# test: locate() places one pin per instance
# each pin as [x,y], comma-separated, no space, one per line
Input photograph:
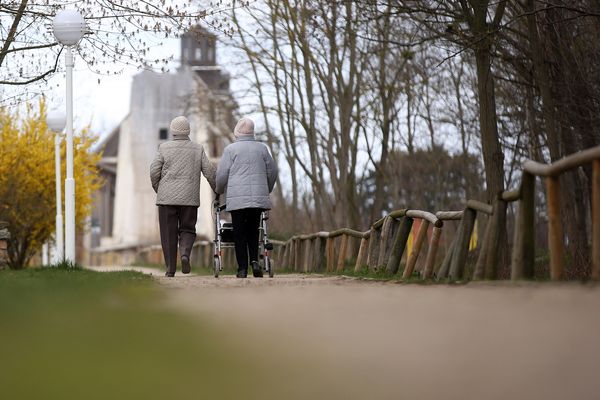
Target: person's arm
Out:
[223,172]
[156,170]
[271,169]
[208,170]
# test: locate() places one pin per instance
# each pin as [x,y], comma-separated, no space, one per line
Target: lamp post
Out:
[68,28]
[56,122]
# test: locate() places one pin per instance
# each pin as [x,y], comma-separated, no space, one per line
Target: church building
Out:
[125,215]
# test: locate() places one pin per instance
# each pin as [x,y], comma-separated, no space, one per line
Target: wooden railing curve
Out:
[523,252]
[381,247]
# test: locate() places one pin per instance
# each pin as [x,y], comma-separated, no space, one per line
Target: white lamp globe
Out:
[68,27]
[56,121]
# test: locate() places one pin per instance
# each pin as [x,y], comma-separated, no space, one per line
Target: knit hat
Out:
[245,126]
[180,126]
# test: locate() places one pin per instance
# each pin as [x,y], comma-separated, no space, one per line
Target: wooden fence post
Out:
[276,253]
[461,250]
[523,256]
[342,256]
[284,250]
[352,247]
[492,259]
[209,256]
[292,255]
[307,265]
[445,267]
[319,252]
[361,258]
[296,254]
[412,260]
[330,253]
[225,258]
[385,239]
[596,219]
[486,244]
[555,231]
[287,255]
[399,244]
[374,243]
[432,253]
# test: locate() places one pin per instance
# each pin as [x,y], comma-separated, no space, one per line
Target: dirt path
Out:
[357,339]
[335,337]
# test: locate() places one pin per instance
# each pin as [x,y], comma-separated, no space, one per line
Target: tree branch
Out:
[13,30]
[41,46]
[37,78]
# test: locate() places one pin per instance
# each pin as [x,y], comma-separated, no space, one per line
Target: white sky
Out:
[101,101]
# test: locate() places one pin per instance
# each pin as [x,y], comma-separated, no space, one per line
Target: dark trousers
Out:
[177,226]
[245,235]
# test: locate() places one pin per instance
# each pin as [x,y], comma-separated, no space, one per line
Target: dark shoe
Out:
[242,273]
[185,265]
[169,274]
[256,270]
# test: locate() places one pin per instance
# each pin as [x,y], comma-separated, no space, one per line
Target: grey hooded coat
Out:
[247,174]
[175,172]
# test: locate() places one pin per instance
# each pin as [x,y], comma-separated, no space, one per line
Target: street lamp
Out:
[56,122]
[68,28]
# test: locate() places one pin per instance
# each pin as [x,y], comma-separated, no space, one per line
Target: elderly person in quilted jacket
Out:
[247,174]
[175,173]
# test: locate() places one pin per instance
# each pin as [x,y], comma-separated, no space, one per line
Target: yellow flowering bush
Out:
[27,180]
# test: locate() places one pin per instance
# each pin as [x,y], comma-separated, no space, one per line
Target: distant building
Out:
[124,213]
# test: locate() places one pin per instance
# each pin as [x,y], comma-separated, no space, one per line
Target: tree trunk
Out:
[493,158]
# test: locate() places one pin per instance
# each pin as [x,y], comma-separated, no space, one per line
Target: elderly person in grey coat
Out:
[247,174]
[175,174]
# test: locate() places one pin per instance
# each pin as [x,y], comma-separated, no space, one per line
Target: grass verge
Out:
[68,333]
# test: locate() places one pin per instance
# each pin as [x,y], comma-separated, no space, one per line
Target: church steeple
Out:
[199,52]
[198,48]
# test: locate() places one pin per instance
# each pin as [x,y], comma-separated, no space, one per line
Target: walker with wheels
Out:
[224,239]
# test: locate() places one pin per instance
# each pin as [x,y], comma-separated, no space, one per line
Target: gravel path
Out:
[336,337]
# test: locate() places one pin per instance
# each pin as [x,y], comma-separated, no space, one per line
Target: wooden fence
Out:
[383,245]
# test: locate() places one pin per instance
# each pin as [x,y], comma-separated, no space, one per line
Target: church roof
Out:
[109,145]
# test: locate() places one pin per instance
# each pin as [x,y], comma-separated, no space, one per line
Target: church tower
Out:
[198,48]
[125,216]
[199,52]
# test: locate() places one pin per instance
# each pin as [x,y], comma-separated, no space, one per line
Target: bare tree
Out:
[310,64]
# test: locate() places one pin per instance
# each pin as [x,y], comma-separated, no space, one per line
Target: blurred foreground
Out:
[76,334]
[383,340]
[83,334]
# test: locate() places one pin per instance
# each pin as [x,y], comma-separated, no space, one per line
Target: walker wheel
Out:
[269,267]
[217,266]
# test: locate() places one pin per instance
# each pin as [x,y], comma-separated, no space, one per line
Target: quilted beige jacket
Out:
[175,172]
